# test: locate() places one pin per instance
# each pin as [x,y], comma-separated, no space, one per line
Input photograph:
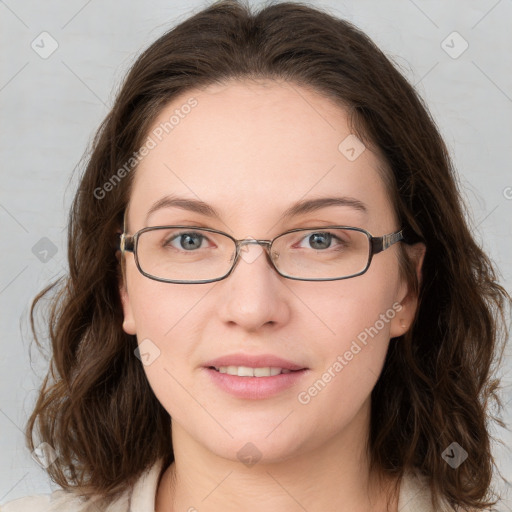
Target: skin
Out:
[251,150]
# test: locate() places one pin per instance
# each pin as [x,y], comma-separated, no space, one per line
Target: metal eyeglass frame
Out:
[377,244]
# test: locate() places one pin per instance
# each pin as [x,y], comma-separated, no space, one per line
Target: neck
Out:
[332,476]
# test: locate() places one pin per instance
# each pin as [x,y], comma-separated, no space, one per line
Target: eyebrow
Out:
[299,208]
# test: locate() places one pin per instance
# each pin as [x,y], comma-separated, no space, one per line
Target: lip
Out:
[260,361]
[254,388]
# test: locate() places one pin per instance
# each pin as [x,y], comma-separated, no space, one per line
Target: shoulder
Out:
[43,503]
[34,503]
[140,497]
[415,494]
[62,500]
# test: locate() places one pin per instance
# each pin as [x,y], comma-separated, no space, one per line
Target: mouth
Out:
[249,365]
[255,377]
[247,371]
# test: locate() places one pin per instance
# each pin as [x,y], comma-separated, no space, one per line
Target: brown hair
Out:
[96,407]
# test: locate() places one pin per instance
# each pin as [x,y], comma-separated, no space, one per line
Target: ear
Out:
[408,300]
[129,319]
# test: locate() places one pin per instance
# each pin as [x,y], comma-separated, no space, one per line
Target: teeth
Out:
[243,371]
[246,371]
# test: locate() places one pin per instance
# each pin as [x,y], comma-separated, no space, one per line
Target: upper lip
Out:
[256,361]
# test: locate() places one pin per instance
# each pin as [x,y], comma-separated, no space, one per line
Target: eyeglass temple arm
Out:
[125,243]
[381,243]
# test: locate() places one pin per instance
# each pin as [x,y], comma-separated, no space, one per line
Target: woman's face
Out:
[251,151]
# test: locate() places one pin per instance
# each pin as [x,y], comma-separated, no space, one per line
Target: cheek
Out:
[167,323]
[360,309]
[158,307]
[350,365]
[357,319]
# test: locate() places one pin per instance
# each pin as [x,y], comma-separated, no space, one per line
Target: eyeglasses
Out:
[189,254]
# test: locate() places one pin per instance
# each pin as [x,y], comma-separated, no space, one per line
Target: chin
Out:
[251,447]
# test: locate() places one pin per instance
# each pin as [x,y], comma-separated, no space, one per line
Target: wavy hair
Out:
[95,406]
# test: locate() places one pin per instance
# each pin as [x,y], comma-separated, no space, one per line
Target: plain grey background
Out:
[457,53]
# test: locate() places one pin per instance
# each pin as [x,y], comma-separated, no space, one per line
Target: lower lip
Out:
[255,387]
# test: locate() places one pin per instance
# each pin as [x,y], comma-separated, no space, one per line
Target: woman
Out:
[274,301]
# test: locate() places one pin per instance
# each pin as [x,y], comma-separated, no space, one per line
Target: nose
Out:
[253,295]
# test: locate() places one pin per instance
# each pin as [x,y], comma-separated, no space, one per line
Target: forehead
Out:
[246,145]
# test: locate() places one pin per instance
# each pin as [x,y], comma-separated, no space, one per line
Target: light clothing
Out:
[414,497]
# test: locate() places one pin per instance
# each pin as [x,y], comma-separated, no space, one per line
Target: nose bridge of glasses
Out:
[250,258]
[247,241]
